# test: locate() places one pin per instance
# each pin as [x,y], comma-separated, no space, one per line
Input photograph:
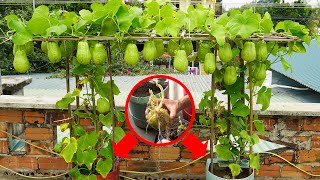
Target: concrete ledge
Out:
[41,102]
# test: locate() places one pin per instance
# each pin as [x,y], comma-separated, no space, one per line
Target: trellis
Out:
[276,37]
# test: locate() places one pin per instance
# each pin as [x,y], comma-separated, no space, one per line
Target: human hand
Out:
[171,105]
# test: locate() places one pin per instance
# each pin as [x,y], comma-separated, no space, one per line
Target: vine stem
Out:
[212,132]
[111,98]
[68,85]
[251,107]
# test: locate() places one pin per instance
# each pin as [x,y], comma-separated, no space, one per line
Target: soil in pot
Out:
[224,172]
[143,89]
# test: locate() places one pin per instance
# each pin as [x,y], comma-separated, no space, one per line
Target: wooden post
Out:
[212,131]
[251,106]
[111,98]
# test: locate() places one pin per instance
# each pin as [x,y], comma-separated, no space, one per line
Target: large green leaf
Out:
[59,29]
[244,134]
[219,32]
[285,64]
[107,152]
[255,162]
[221,124]
[254,139]
[86,14]
[125,17]
[88,140]
[166,11]
[266,24]
[119,115]
[196,19]
[104,167]
[243,25]
[223,152]
[118,134]
[106,120]
[112,7]
[167,26]
[40,21]
[258,124]
[68,152]
[87,157]
[65,101]
[153,8]
[240,109]
[264,96]
[235,169]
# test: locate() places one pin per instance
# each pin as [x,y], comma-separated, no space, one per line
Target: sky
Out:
[236,3]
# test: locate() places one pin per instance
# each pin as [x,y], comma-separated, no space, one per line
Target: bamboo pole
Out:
[194,37]
[251,106]
[111,98]
[212,131]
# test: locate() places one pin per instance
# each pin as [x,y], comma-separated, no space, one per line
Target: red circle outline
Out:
[192,104]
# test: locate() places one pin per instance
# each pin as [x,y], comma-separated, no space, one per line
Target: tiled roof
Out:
[306,67]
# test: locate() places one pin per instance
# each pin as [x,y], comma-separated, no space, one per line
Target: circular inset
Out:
[160,108]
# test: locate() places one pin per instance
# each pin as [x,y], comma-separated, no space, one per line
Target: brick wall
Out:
[300,134]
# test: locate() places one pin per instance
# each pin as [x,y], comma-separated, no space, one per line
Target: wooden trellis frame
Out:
[276,37]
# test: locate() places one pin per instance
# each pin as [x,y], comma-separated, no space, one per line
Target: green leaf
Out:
[17,25]
[76,92]
[254,139]
[221,124]
[21,38]
[65,101]
[107,152]
[74,172]
[197,19]
[235,52]
[240,109]
[235,169]
[255,162]
[166,11]
[224,152]
[88,140]
[153,8]
[204,121]
[58,147]
[112,7]
[243,26]
[9,18]
[109,27]
[40,21]
[299,47]
[224,140]
[167,26]
[59,29]
[258,124]
[118,134]
[78,130]
[64,127]
[264,96]
[86,14]
[85,177]
[244,134]
[266,24]
[125,17]
[104,167]
[119,115]
[87,157]
[115,89]
[68,152]
[219,32]
[106,120]
[69,19]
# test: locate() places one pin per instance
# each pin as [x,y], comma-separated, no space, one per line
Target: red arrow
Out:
[195,146]
[124,146]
